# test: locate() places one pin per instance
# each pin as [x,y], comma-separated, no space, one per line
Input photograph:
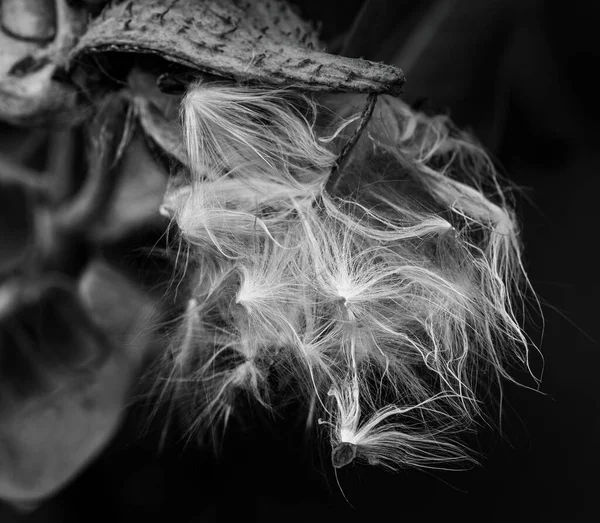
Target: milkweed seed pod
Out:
[366,256]
[335,246]
[386,303]
[265,42]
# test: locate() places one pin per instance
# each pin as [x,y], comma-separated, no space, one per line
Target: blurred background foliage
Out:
[520,74]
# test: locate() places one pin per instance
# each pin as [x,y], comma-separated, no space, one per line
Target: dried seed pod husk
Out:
[46,336]
[157,113]
[29,91]
[46,439]
[262,41]
[29,20]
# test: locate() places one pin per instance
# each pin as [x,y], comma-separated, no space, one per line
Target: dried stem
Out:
[15,173]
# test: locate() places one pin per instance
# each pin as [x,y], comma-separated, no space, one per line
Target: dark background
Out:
[522,76]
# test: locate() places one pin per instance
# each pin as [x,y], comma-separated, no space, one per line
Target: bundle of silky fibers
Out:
[361,253]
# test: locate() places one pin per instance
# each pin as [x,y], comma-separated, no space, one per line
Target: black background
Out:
[523,78]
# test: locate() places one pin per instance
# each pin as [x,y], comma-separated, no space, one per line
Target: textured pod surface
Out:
[263,41]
